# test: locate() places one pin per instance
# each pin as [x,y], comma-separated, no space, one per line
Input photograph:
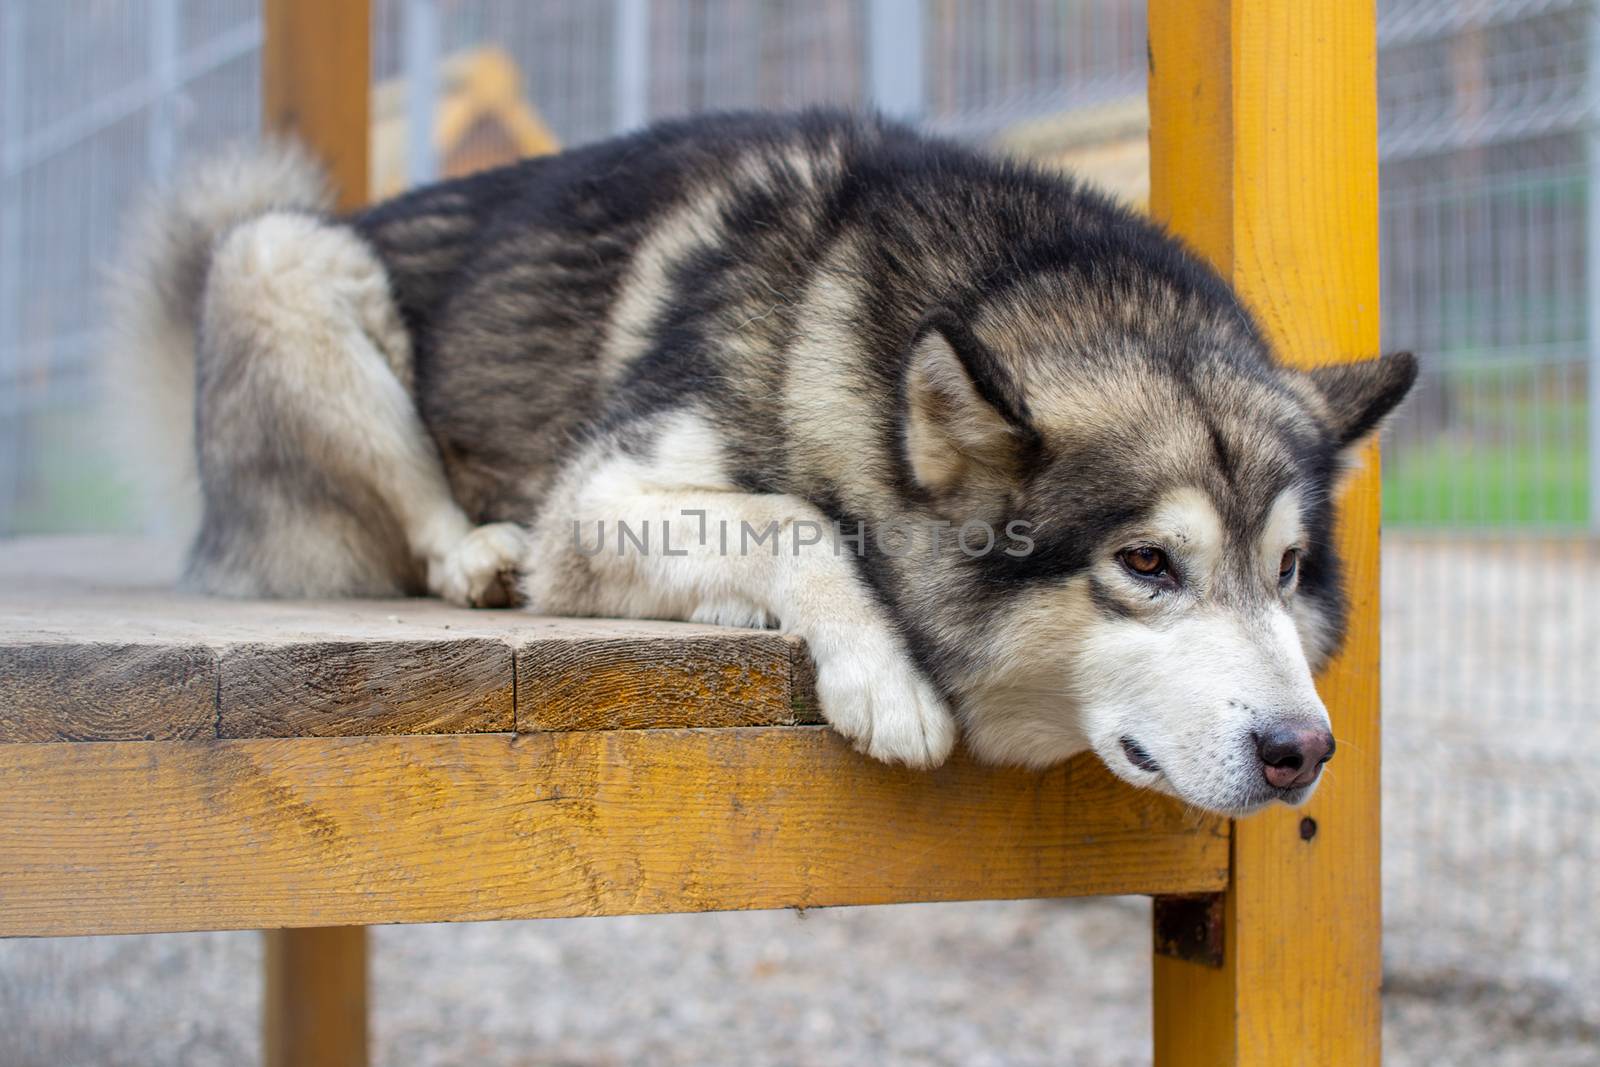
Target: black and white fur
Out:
[755,319]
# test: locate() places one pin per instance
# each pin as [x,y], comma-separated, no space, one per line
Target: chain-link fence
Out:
[1492,559]
[1489,152]
[97,99]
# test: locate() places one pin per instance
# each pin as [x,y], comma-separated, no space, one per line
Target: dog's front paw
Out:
[481,569]
[873,694]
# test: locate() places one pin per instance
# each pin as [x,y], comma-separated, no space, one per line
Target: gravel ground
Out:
[1491,801]
[1030,982]
[1492,873]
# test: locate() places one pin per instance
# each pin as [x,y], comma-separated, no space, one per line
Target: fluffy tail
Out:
[155,291]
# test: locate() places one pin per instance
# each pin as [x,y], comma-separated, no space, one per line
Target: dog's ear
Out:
[1359,395]
[965,428]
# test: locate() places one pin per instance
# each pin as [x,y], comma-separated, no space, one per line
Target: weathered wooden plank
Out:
[331,688]
[322,668]
[61,590]
[328,831]
[316,83]
[1264,155]
[582,682]
[106,692]
[314,997]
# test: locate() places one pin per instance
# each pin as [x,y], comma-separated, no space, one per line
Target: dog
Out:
[1012,461]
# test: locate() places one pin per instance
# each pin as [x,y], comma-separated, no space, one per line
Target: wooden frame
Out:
[316,84]
[174,762]
[204,770]
[327,831]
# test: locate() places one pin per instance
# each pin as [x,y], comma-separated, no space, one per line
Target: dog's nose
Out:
[1292,756]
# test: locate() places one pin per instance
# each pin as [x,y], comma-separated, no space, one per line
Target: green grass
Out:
[1513,453]
[67,480]
[1462,483]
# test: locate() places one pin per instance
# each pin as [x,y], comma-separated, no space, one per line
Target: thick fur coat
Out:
[1008,457]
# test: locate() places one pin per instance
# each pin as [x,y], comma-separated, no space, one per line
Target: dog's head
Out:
[1177,486]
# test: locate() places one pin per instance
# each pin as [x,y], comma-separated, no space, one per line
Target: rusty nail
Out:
[1308,828]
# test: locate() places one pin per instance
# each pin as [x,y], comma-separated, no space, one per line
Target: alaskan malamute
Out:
[1008,458]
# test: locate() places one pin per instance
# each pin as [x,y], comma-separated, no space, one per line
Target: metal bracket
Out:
[1190,928]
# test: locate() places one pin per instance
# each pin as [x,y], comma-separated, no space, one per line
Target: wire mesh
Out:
[97,100]
[1491,554]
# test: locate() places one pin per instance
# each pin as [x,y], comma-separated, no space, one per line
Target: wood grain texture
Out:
[106,691]
[314,997]
[92,652]
[152,836]
[316,83]
[641,682]
[331,688]
[1264,156]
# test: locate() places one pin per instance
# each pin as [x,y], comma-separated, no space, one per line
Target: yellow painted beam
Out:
[1264,157]
[126,837]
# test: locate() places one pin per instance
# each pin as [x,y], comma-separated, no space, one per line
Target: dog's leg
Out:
[319,475]
[701,558]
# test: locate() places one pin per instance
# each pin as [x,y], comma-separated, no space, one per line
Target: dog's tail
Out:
[155,290]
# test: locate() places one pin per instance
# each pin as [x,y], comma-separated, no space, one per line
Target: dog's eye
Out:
[1288,565]
[1144,561]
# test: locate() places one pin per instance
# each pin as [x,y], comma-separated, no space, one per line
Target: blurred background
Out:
[1490,148]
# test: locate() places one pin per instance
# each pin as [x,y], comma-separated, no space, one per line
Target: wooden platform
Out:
[367,763]
[172,762]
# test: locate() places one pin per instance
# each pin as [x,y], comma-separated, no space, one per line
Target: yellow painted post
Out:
[316,83]
[1263,155]
[314,1003]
